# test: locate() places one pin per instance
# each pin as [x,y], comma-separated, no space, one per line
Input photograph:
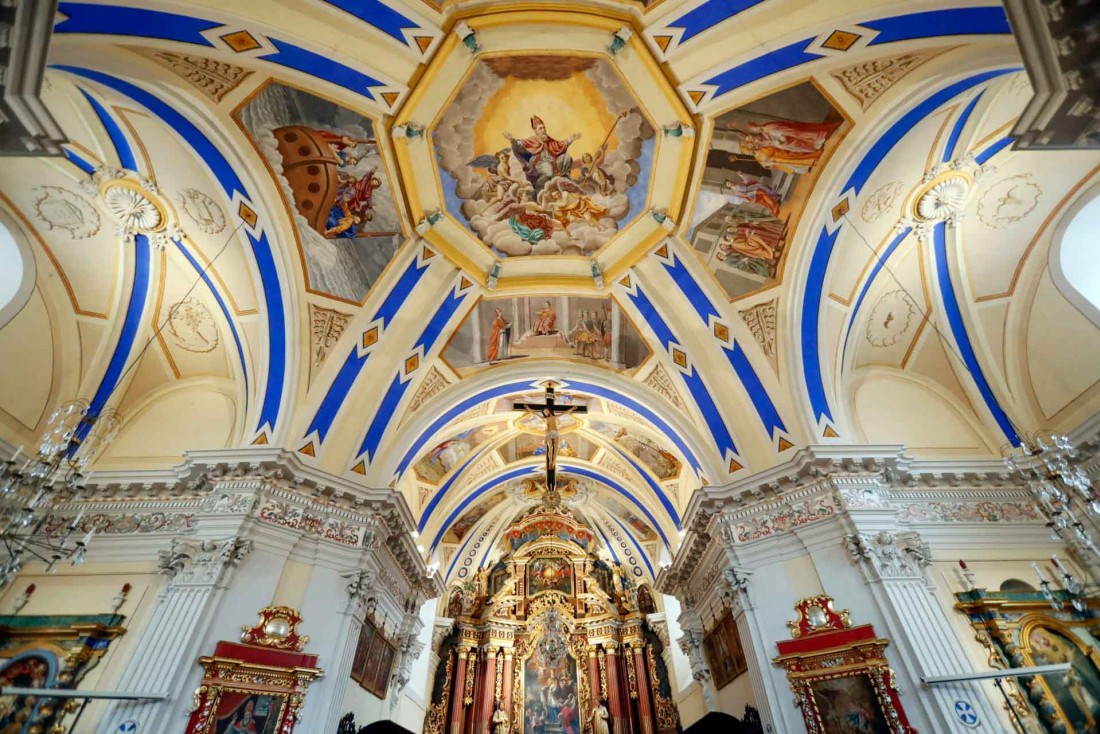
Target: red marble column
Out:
[487,689]
[479,678]
[458,689]
[593,678]
[648,724]
[615,693]
[506,686]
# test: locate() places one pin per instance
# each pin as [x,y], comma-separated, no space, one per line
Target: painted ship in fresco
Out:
[330,192]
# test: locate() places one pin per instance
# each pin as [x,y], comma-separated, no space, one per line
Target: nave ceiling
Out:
[305,225]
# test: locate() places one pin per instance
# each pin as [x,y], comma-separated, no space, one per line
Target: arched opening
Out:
[1073,258]
[15,285]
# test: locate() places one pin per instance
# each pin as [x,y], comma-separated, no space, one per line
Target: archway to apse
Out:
[601,554]
[1073,256]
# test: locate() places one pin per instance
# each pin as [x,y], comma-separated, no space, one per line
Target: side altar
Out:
[550,640]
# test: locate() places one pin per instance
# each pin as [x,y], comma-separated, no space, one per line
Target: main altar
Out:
[551,639]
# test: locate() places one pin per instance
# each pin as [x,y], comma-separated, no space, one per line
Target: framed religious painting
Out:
[373,661]
[725,656]
[256,686]
[839,673]
[1075,694]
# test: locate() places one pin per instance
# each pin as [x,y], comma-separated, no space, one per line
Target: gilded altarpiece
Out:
[1023,628]
[548,639]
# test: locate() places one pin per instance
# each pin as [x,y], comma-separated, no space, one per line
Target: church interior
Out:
[470,366]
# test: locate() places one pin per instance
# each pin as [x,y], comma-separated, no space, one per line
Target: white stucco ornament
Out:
[944,200]
[132,208]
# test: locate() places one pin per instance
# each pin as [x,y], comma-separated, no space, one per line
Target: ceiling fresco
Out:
[728,230]
[326,160]
[544,155]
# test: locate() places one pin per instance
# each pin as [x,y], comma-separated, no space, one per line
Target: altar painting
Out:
[327,163]
[247,714]
[549,574]
[448,454]
[544,154]
[550,700]
[1077,692]
[593,330]
[760,167]
[849,705]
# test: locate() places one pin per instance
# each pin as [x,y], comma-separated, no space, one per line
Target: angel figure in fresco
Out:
[543,157]
[500,336]
[563,201]
[592,172]
[753,191]
[599,719]
[545,320]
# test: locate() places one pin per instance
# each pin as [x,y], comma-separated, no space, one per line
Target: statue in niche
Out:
[501,724]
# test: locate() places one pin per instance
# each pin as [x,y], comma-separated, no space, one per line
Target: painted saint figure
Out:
[500,336]
[753,191]
[544,157]
[545,320]
[244,723]
[785,145]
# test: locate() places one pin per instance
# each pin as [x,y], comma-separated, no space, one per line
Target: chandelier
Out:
[1066,499]
[28,493]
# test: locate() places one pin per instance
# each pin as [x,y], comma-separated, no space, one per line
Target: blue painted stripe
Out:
[908,121]
[693,380]
[658,490]
[349,372]
[474,532]
[125,153]
[512,388]
[119,20]
[993,150]
[972,21]
[981,20]
[819,262]
[377,14]
[221,304]
[439,320]
[770,63]
[962,338]
[79,161]
[386,410]
[606,542]
[709,14]
[440,493]
[691,289]
[456,512]
[261,248]
[322,67]
[135,308]
[637,545]
[811,308]
[583,471]
[880,263]
[761,401]
[703,306]
[957,129]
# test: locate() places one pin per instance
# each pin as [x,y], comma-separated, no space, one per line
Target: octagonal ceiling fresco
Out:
[544,154]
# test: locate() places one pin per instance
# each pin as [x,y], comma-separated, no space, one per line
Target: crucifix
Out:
[550,411]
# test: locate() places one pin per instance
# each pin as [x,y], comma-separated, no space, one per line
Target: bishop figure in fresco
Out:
[543,157]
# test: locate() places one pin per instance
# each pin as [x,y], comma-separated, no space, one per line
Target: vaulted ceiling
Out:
[304,225]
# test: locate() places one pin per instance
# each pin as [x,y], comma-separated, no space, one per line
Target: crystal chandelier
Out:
[28,493]
[1064,496]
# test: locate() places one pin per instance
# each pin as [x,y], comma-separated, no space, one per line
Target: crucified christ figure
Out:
[550,412]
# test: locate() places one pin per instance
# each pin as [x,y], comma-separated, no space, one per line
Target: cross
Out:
[549,412]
